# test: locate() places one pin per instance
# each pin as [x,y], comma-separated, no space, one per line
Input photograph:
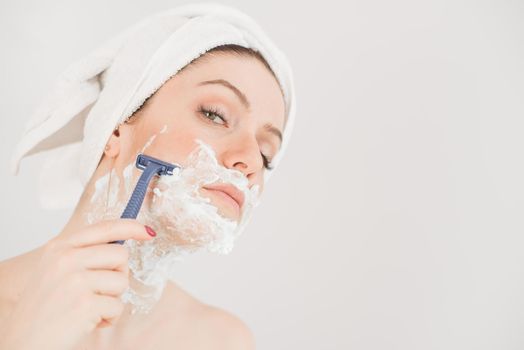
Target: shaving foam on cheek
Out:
[184,220]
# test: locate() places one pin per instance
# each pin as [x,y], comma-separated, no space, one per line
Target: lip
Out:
[229,190]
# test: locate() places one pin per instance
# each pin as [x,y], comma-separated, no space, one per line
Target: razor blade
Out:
[165,168]
[151,167]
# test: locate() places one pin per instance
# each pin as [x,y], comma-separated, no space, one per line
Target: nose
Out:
[243,154]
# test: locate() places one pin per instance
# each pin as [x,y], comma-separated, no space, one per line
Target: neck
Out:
[77,220]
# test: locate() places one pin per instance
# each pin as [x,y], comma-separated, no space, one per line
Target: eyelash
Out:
[204,111]
[211,110]
[267,162]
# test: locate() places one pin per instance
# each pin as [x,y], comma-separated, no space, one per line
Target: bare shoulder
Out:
[227,329]
[204,326]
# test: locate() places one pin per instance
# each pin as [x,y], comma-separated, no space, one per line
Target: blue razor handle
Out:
[151,167]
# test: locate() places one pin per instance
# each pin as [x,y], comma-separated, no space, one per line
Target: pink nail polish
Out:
[150,231]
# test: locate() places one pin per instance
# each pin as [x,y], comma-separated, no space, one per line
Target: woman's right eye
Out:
[213,115]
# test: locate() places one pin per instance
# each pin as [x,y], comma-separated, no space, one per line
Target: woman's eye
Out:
[214,116]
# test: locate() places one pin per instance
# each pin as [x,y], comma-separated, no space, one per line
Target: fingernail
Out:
[150,231]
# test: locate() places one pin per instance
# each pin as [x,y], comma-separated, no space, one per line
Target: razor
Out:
[151,167]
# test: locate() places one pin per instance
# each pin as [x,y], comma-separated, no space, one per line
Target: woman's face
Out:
[233,104]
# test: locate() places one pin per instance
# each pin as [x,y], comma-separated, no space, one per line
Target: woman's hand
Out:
[75,288]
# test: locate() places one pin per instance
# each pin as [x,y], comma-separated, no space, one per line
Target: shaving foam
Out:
[184,220]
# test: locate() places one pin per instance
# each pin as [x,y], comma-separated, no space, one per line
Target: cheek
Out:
[176,146]
[173,148]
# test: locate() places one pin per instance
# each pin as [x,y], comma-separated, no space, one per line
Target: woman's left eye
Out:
[214,115]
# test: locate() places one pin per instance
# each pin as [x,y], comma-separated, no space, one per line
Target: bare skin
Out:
[178,320]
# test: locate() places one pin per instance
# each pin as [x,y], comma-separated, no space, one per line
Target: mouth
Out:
[229,193]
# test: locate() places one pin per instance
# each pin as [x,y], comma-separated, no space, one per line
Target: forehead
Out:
[248,75]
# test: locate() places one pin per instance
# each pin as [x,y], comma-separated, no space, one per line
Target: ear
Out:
[112,148]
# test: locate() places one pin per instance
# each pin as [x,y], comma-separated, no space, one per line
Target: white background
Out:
[395,220]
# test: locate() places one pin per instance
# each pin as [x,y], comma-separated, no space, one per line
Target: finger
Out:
[107,307]
[108,231]
[105,282]
[103,256]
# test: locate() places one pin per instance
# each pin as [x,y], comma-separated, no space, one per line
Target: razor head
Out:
[142,162]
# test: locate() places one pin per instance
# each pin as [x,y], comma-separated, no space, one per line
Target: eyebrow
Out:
[268,127]
[230,86]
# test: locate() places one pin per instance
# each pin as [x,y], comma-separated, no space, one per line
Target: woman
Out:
[223,108]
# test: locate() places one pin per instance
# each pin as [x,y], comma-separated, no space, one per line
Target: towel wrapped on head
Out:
[95,95]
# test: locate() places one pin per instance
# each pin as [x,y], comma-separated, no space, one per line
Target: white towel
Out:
[96,94]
